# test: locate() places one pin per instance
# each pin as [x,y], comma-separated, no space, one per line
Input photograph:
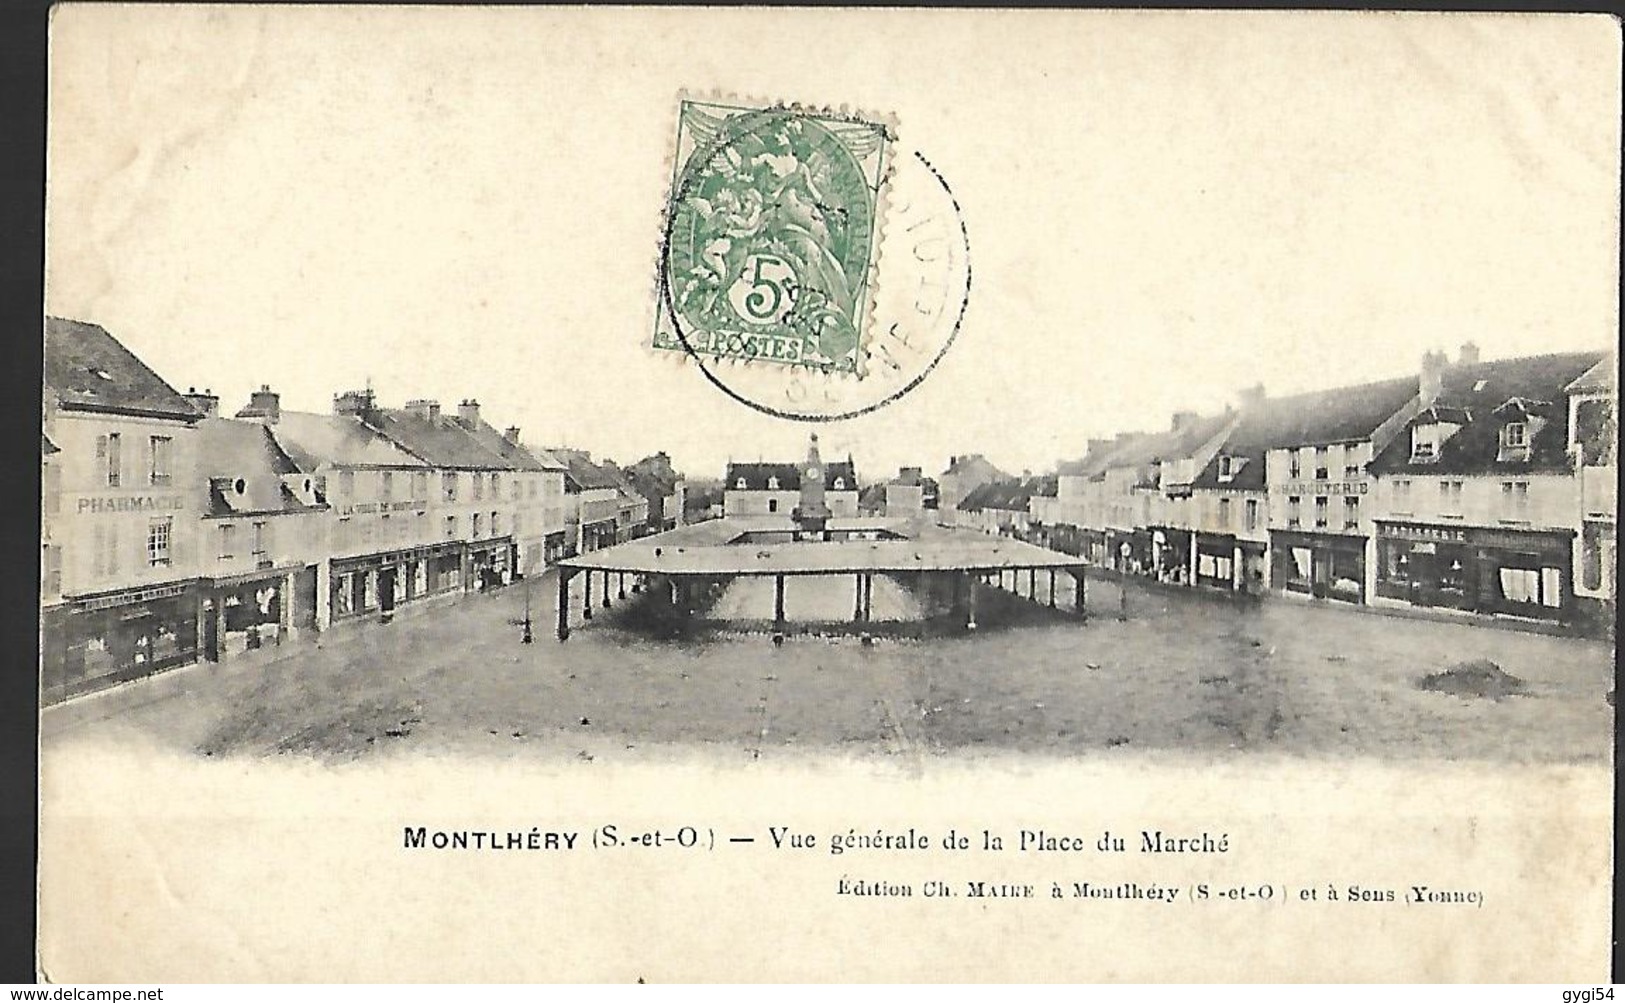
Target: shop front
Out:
[554,547]
[490,563]
[598,535]
[1321,565]
[1171,553]
[1483,570]
[380,583]
[91,642]
[1216,560]
[249,611]
[1129,550]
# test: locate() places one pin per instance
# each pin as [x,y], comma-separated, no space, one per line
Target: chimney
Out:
[1469,354]
[428,410]
[262,404]
[1183,420]
[469,411]
[1431,380]
[511,433]
[206,402]
[1251,396]
[353,402]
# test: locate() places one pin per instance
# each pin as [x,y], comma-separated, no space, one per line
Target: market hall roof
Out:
[1482,399]
[757,476]
[87,369]
[941,550]
[313,440]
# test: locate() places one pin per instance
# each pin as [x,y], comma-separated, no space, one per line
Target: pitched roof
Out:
[1008,494]
[87,369]
[973,465]
[1141,450]
[230,451]
[312,440]
[1598,379]
[493,441]
[1488,395]
[580,473]
[440,440]
[1317,418]
[756,476]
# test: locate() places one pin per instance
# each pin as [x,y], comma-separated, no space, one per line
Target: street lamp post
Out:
[525,638]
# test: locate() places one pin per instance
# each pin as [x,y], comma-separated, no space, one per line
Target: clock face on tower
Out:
[813,472]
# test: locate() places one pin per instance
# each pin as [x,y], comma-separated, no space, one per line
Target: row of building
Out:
[1487,487]
[170,533]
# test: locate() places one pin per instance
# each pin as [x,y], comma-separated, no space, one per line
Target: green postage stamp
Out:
[771,233]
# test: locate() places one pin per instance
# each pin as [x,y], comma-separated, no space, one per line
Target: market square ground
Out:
[1184,673]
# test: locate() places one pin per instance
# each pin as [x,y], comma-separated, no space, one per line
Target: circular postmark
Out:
[811,268]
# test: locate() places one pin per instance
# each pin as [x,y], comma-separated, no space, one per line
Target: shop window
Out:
[1224,513]
[1322,463]
[1520,585]
[448,486]
[1322,511]
[158,531]
[1351,512]
[228,541]
[1252,513]
[161,459]
[109,451]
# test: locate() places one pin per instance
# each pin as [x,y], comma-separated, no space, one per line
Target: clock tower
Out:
[812,514]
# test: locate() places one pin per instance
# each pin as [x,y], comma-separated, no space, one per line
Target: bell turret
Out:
[812,513]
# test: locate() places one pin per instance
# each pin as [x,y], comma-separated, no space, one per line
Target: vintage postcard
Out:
[823,495]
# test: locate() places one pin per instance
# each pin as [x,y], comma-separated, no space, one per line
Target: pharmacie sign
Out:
[101,504]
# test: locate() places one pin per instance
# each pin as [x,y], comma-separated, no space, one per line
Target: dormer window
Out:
[1515,435]
[772,483]
[840,483]
[740,484]
[1227,468]
[1425,443]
